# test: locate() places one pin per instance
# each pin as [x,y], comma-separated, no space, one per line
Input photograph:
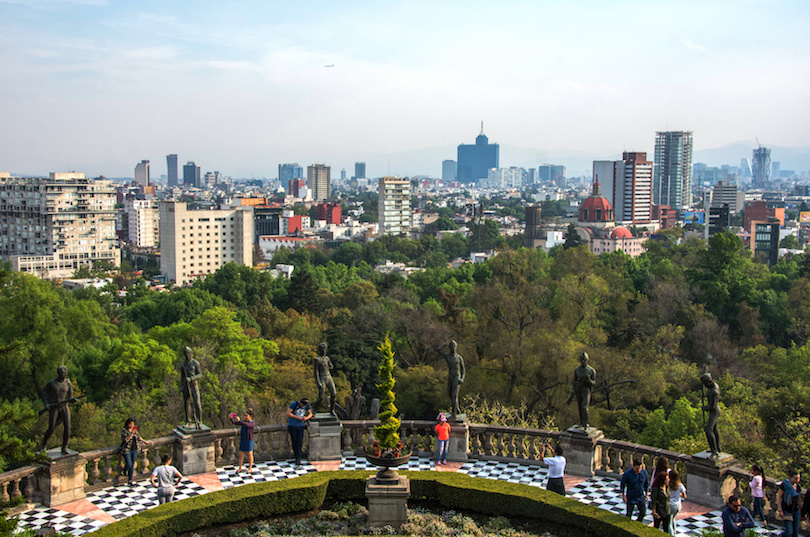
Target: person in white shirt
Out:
[165,477]
[556,467]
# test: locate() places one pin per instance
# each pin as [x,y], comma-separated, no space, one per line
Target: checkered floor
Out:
[120,502]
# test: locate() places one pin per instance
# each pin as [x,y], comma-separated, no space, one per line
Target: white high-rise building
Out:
[196,243]
[672,174]
[627,184]
[394,206]
[143,222]
[142,173]
[50,227]
[505,178]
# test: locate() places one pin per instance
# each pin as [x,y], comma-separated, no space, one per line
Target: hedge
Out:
[305,493]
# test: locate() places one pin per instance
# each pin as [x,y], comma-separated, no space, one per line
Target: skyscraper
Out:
[288,172]
[672,173]
[142,173]
[394,206]
[318,181]
[359,170]
[475,161]
[171,164]
[627,185]
[448,170]
[761,167]
[191,174]
[548,173]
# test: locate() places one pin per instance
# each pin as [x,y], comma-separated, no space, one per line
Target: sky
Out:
[239,87]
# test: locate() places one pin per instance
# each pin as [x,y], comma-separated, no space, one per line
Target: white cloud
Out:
[691,45]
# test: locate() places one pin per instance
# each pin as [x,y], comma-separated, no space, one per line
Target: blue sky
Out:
[238,87]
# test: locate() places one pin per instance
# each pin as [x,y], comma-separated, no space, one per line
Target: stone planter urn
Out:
[387,473]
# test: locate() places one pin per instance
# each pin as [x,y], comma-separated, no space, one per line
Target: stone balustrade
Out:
[588,453]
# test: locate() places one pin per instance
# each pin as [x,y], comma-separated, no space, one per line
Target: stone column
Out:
[194,451]
[388,501]
[582,452]
[324,432]
[459,438]
[709,482]
[62,479]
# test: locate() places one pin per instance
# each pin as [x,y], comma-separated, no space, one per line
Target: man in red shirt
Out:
[443,434]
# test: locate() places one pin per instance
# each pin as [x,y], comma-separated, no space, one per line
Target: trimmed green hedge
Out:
[453,490]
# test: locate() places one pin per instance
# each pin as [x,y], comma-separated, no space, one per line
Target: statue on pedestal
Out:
[455,373]
[56,395]
[323,378]
[190,373]
[584,381]
[713,407]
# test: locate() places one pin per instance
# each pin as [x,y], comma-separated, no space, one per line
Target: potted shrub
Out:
[387,449]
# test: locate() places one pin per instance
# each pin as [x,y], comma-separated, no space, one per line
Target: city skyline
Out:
[97,87]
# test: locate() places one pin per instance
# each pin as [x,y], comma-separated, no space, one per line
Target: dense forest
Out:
[650,325]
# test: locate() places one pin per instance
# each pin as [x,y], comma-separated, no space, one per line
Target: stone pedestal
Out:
[194,451]
[324,432]
[62,480]
[709,482]
[388,502]
[582,453]
[459,438]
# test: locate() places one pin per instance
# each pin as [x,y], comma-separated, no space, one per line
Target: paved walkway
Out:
[108,505]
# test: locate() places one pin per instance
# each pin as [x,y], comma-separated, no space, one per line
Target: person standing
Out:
[677,493]
[165,477]
[757,486]
[56,395]
[245,438]
[556,468]
[130,440]
[634,485]
[787,500]
[736,518]
[443,439]
[298,413]
[659,502]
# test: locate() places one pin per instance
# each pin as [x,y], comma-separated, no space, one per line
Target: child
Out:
[443,434]
[757,485]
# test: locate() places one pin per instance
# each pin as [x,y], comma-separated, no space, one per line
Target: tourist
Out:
[130,440]
[787,501]
[299,412]
[659,502]
[677,493]
[661,465]
[556,467]
[245,438]
[634,485]
[736,518]
[757,486]
[167,478]
[443,439]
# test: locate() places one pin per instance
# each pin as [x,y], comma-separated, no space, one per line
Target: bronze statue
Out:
[323,378]
[56,395]
[584,381]
[455,373]
[713,406]
[190,374]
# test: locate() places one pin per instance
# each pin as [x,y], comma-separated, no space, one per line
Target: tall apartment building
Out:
[726,193]
[171,167]
[318,181]
[49,227]
[672,174]
[627,184]
[288,172]
[394,206]
[475,161]
[191,174]
[142,173]
[761,167]
[196,243]
[143,222]
[359,170]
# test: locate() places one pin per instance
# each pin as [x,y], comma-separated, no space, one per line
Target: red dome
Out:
[596,208]
[621,233]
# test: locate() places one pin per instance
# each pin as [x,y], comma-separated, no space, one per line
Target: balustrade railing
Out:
[509,443]
[618,456]
[18,486]
[742,489]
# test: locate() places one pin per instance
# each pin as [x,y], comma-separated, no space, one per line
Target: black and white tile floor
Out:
[120,502]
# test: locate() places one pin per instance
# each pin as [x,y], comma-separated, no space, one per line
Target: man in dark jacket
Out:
[634,486]
[736,518]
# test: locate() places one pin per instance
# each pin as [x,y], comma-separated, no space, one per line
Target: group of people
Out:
[664,496]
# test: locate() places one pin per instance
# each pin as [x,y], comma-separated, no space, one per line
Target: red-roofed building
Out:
[597,228]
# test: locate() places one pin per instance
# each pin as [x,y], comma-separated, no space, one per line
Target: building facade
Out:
[142,173]
[50,227]
[319,182]
[627,184]
[761,168]
[196,243]
[475,161]
[191,174]
[359,170]
[394,206]
[171,170]
[448,170]
[551,173]
[672,172]
[289,172]
[143,222]
[725,193]
[504,178]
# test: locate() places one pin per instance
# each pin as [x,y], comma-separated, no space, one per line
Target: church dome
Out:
[596,208]
[621,233]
